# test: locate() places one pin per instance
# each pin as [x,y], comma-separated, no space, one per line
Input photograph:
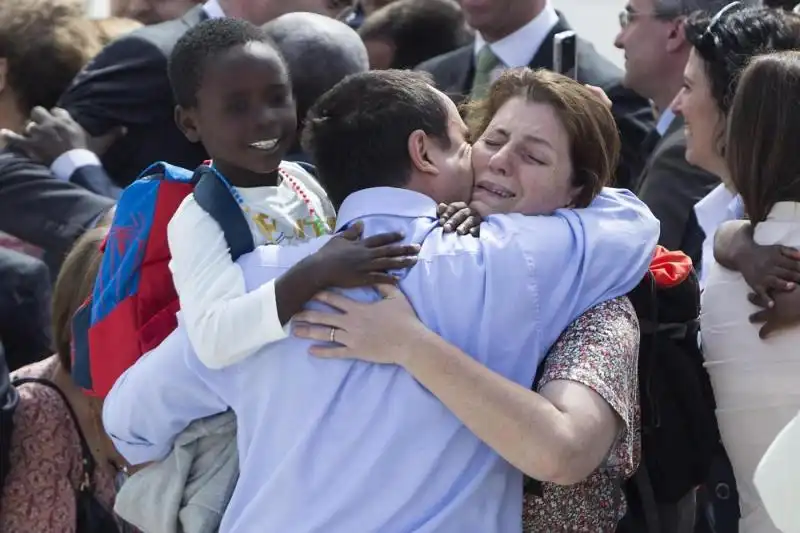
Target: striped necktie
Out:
[484,66]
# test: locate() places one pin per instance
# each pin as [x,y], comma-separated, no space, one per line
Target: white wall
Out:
[97,9]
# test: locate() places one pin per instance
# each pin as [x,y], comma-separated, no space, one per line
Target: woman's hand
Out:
[459,217]
[378,332]
[347,261]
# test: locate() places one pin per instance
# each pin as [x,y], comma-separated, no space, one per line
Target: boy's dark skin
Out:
[245,97]
[773,272]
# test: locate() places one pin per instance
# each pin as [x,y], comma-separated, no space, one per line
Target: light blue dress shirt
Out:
[343,446]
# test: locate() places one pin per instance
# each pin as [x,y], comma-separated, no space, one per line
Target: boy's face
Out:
[245,114]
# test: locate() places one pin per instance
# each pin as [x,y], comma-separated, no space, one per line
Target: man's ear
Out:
[187,123]
[419,151]
[677,35]
[3,73]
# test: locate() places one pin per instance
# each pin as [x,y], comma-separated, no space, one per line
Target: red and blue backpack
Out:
[132,307]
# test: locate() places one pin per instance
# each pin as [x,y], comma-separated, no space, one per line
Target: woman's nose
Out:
[677,103]
[500,162]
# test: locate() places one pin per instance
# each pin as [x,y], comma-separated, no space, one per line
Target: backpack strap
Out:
[166,171]
[213,194]
[89,464]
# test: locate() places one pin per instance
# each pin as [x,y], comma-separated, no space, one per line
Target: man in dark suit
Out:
[24,310]
[656,52]
[44,211]
[127,85]
[517,33]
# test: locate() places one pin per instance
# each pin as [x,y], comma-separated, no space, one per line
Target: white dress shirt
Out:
[518,49]
[344,446]
[719,206]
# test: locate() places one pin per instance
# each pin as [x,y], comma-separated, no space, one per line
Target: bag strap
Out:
[89,463]
[213,194]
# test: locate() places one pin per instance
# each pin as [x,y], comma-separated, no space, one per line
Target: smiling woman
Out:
[541,142]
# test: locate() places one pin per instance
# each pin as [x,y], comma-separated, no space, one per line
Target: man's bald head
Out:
[320,52]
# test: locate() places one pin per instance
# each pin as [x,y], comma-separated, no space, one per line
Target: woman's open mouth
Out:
[494,189]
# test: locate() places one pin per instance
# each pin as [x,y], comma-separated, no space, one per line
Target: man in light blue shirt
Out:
[346,446]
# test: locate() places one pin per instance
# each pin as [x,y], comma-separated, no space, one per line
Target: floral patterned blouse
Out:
[600,350]
[39,492]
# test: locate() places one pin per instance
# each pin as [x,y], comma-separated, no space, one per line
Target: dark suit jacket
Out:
[24,309]
[127,84]
[671,187]
[453,73]
[44,211]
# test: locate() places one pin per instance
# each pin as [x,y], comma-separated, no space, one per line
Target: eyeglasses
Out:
[626,16]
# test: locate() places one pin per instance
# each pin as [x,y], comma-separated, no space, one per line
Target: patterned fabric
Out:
[39,493]
[600,350]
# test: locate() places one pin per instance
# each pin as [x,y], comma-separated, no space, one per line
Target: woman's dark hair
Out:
[764,122]
[73,286]
[728,42]
[593,135]
[46,43]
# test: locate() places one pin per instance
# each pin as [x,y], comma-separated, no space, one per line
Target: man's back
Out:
[127,85]
[343,446]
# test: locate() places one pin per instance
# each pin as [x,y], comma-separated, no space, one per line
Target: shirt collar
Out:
[518,49]
[213,9]
[384,201]
[665,121]
[718,206]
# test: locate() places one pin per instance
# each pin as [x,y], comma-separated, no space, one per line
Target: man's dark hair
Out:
[357,133]
[46,43]
[201,43]
[319,51]
[417,29]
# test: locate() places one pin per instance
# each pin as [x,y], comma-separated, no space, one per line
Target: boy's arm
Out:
[224,322]
[764,268]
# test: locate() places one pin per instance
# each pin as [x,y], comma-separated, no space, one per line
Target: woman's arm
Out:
[561,435]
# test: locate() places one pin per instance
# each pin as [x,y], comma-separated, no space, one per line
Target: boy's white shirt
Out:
[224,322]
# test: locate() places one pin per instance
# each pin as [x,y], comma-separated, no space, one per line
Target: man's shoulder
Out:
[436,65]
[161,36]
[668,166]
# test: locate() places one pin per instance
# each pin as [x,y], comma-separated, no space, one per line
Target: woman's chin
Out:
[485,208]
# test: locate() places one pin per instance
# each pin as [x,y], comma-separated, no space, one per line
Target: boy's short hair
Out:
[202,42]
[357,133]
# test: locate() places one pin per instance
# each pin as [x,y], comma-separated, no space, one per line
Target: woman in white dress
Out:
[756,382]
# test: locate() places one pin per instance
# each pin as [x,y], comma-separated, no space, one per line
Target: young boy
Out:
[233,94]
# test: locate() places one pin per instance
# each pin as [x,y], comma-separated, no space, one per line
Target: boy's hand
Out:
[783,310]
[769,270]
[459,217]
[347,261]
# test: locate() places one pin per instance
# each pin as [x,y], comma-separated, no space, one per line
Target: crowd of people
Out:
[373,266]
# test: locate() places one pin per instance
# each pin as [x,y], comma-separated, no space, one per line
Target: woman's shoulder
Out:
[603,340]
[44,457]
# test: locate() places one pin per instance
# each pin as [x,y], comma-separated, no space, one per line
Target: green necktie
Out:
[485,64]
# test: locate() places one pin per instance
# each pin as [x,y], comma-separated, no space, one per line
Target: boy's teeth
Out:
[265,145]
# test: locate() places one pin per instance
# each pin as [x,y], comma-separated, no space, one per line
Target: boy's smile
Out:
[245,115]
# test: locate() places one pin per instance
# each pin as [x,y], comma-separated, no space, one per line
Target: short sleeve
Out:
[39,492]
[601,351]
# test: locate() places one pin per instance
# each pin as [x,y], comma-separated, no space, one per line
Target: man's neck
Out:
[664,98]
[516,21]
